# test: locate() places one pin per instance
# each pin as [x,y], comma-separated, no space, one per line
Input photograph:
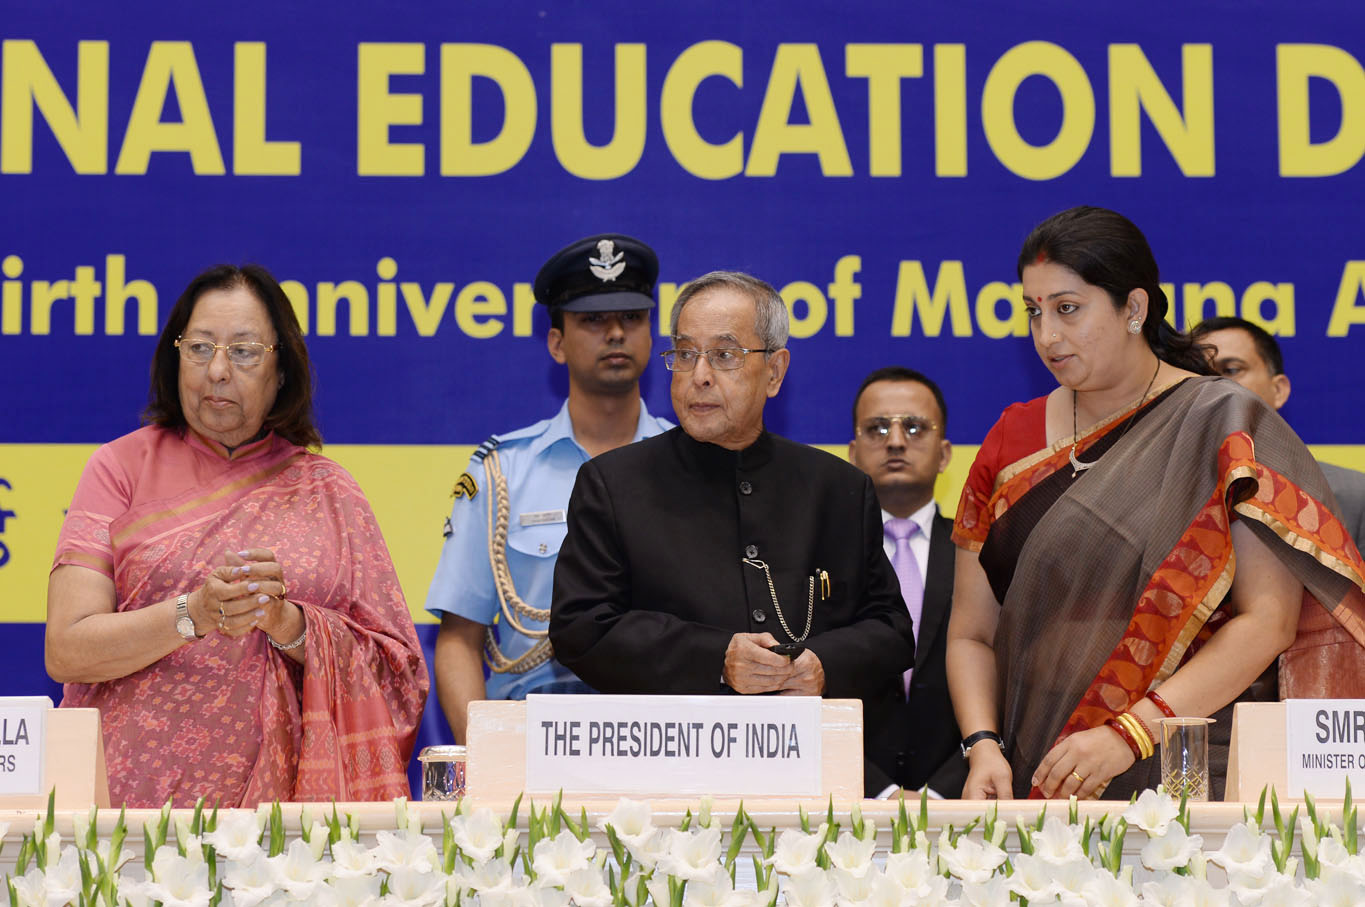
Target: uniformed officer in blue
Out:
[493,584]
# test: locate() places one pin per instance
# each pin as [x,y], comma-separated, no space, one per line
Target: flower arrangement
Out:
[240,859]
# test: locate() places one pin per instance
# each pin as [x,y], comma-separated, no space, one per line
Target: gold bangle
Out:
[1139,732]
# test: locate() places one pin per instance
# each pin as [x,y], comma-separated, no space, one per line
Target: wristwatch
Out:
[972,740]
[183,624]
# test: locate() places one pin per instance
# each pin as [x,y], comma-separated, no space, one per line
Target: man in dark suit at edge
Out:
[691,555]
[900,425]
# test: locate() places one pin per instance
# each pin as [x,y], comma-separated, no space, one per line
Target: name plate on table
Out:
[674,745]
[1325,744]
[22,738]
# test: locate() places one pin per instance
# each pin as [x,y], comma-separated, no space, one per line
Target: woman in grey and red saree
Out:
[222,595]
[1135,544]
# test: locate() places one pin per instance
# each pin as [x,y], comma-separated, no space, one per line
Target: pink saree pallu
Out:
[234,720]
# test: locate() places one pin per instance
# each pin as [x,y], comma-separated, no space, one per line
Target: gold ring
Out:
[284,590]
[222,625]
[1077,777]
[221,612]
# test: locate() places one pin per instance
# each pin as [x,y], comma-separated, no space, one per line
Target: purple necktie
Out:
[900,531]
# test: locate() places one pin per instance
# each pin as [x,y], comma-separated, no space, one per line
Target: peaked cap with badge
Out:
[609,272]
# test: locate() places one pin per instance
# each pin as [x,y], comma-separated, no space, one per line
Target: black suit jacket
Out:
[919,742]
[650,583]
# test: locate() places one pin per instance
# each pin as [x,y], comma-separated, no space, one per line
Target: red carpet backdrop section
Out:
[405,168]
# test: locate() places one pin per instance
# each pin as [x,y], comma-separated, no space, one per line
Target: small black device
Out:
[790,649]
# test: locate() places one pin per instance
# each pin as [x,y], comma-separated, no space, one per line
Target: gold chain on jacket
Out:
[512,605]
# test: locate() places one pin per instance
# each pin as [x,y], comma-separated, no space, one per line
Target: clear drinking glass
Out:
[1185,757]
[443,775]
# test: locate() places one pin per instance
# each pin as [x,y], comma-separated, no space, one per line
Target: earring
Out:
[1134,326]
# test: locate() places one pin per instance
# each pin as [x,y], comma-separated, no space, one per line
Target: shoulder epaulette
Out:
[487,447]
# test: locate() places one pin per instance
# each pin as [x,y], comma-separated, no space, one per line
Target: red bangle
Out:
[1127,737]
[1161,704]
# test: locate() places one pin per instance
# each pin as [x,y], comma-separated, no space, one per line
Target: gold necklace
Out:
[1077,467]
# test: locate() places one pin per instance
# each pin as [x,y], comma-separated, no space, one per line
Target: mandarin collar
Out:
[704,455]
[248,451]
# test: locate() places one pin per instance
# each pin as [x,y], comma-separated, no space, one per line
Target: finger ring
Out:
[284,590]
[1077,777]
[221,612]
[222,625]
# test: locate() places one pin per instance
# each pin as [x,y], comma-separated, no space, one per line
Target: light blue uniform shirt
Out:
[540,463]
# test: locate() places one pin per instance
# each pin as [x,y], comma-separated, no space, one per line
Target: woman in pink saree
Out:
[223,595]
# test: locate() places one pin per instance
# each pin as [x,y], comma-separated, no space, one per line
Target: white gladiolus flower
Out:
[1283,893]
[995,893]
[658,889]
[1253,888]
[1332,853]
[352,892]
[1153,812]
[351,861]
[851,855]
[1337,889]
[1033,879]
[911,871]
[490,876]
[478,834]
[1244,850]
[1058,843]
[250,880]
[417,889]
[182,828]
[812,888]
[652,848]
[58,885]
[556,858]
[1171,849]
[631,820]
[795,851]
[692,855]
[587,888]
[713,892]
[296,872]
[177,881]
[80,824]
[236,835]
[1072,877]
[1184,891]
[852,888]
[393,852]
[1103,890]
[970,861]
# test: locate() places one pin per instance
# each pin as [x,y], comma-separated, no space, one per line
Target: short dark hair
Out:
[556,318]
[1107,250]
[292,415]
[901,373]
[1266,345]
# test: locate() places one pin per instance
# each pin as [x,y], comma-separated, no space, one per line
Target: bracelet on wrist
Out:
[1146,746]
[1127,738]
[1161,704]
[972,740]
[285,647]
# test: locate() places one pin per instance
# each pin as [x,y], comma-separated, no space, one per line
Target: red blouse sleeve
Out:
[1020,431]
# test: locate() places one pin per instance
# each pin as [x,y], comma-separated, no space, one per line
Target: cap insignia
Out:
[609,263]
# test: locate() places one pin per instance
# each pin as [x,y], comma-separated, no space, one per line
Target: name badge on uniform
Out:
[542,517]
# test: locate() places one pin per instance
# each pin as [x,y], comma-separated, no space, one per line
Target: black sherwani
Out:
[650,585]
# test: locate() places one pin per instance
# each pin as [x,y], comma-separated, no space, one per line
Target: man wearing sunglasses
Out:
[720,557]
[900,440]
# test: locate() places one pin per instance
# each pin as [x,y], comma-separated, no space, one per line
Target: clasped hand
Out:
[244,593]
[751,668]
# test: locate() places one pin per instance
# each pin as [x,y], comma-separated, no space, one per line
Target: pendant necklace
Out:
[1078,467]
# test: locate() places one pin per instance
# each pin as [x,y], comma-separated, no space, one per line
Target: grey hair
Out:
[770,312]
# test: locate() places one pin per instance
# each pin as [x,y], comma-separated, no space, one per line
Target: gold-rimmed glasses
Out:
[242,354]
